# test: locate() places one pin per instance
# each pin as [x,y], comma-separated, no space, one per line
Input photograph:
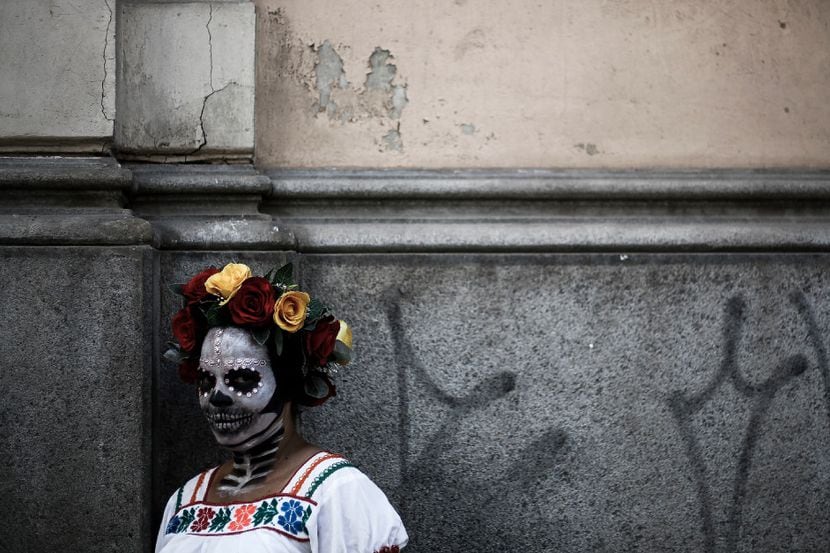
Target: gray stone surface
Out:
[51,201]
[551,211]
[186,80]
[76,395]
[587,403]
[57,75]
[206,207]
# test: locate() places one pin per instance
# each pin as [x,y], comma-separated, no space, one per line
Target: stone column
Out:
[185,80]
[57,62]
[78,304]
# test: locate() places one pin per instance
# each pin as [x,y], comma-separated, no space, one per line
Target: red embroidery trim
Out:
[389,549]
[307,472]
[198,485]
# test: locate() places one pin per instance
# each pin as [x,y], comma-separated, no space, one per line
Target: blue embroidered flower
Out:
[291,518]
[292,509]
[173,525]
[295,526]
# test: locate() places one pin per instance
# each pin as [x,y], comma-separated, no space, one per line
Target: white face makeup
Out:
[236,386]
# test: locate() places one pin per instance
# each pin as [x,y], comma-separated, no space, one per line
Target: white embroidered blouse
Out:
[328,506]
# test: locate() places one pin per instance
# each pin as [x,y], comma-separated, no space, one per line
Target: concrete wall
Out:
[713,83]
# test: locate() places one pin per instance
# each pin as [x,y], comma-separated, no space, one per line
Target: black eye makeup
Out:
[243,381]
[205,382]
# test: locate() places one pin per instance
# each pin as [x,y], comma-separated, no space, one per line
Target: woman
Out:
[257,348]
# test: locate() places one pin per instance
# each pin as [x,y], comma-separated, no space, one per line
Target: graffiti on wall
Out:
[760,395]
[441,512]
[470,511]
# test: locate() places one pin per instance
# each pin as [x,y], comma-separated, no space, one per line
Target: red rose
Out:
[189,371]
[253,304]
[188,328]
[194,291]
[320,341]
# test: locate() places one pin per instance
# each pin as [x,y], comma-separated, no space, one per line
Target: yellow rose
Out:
[290,310]
[345,334]
[226,283]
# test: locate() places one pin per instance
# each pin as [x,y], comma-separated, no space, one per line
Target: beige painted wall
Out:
[544,83]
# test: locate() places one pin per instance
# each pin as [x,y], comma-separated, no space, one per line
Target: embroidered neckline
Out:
[285,512]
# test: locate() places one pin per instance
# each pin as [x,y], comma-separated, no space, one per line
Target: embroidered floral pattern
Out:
[282,513]
[202,521]
[241,517]
[222,518]
[291,518]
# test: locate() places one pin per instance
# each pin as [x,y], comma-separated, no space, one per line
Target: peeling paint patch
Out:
[588,148]
[380,98]
[392,141]
[399,101]
[381,72]
[468,128]
[329,74]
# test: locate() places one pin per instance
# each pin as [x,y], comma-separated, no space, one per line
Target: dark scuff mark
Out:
[589,148]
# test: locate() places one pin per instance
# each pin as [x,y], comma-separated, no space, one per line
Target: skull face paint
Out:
[238,389]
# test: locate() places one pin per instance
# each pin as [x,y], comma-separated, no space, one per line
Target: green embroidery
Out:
[266,513]
[325,474]
[306,515]
[222,518]
[179,498]
[186,517]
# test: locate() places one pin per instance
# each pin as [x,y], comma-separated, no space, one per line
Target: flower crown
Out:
[271,307]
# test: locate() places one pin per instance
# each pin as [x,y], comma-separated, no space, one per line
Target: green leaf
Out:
[316,386]
[262,514]
[175,354]
[278,339]
[186,517]
[283,276]
[223,516]
[216,315]
[261,335]
[315,310]
[341,353]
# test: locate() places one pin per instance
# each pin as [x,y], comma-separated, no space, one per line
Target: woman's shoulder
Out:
[192,490]
[350,513]
[315,475]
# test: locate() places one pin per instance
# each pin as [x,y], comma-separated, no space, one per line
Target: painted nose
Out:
[218,399]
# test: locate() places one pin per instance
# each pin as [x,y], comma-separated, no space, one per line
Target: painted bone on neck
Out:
[238,394]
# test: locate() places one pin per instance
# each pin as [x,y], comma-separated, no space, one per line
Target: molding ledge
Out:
[65,201]
[553,211]
[206,207]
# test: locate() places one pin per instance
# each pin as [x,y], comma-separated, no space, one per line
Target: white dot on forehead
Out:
[233,347]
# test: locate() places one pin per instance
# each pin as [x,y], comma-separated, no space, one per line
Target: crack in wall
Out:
[202,115]
[106,73]
[213,91]
[210,47]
